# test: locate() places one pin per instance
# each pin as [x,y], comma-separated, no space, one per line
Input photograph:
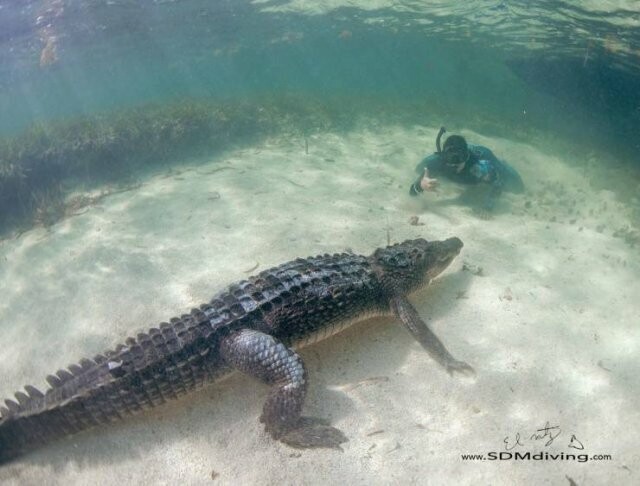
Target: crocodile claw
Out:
[312,433]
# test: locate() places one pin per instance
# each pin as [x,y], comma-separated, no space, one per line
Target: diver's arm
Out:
[511,180]
[434,164]
[501,166]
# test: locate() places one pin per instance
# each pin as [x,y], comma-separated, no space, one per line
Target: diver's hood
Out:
[440,151]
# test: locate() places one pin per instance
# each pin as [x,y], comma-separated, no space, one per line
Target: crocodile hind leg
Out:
[267,359]
[404,311]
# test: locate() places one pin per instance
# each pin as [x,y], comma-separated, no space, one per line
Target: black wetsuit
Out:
[481,167]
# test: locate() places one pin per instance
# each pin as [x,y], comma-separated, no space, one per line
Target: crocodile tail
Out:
[23,430]
[14,439]
[8,449]
[34,419]
[110,386]
[80,397]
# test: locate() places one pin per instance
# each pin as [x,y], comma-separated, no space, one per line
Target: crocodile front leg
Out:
[267,359]
[404,311]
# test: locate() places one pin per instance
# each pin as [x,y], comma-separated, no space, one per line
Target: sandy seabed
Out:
[547,316]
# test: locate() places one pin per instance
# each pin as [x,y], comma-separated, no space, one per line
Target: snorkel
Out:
[440,133]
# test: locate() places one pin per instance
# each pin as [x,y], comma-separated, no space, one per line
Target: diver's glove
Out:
[415,189]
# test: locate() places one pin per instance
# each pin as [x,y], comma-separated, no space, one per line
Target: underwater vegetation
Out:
[41,166]
[55,169]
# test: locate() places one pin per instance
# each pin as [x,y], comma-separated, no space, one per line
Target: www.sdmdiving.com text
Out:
[538,456]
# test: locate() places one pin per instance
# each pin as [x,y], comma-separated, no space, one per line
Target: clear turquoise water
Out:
[553,85]
[112,54]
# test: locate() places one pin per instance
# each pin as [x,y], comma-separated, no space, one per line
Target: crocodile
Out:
[254,326]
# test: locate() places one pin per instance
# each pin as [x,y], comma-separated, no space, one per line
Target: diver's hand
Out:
[427,183]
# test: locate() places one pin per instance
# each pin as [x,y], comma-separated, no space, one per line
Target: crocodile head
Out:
[407,266]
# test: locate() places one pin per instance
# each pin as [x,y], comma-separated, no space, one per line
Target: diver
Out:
[467,164]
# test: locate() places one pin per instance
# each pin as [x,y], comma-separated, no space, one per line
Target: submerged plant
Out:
[92,151]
